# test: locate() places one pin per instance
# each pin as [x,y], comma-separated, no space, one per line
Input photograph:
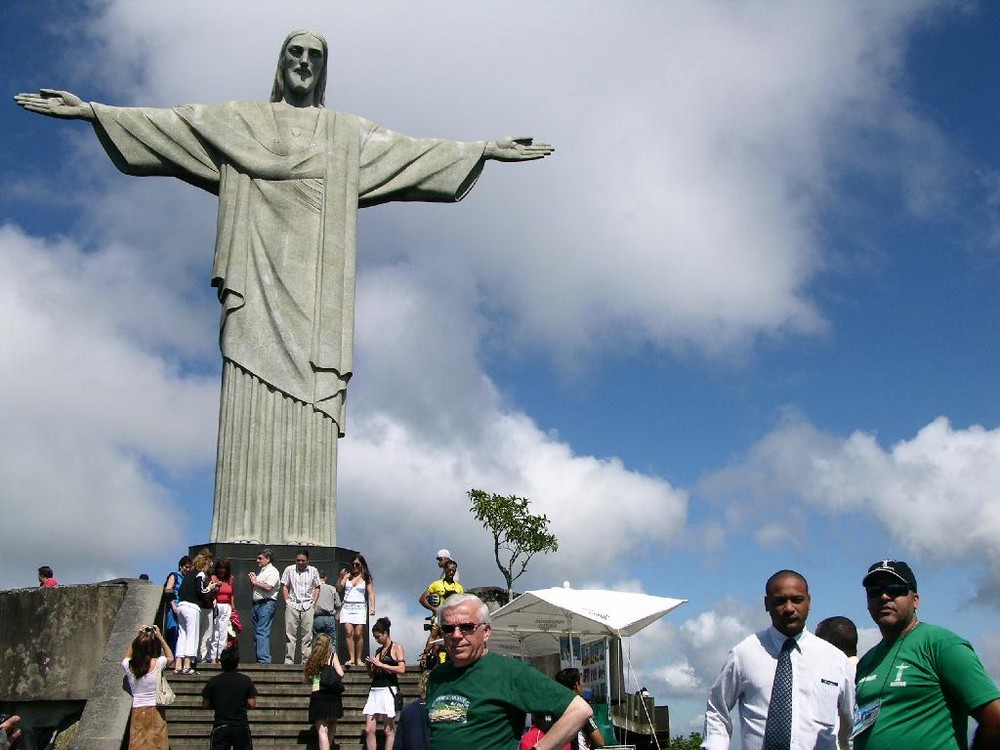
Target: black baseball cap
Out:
[895,568]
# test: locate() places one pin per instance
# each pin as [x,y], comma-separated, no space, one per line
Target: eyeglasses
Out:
[467,628]
[302,561]
[355,565]
[892,590]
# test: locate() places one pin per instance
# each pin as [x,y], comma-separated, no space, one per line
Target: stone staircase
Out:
[281,719]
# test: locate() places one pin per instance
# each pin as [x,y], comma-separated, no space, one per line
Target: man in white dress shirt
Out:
[822,680]
[265,601]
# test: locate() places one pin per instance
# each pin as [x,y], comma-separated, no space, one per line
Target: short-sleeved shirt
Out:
[228,693]
[483,705]
[440,590]
[267,575]
[300,585]
[929,681]
[328,602]
[144,688]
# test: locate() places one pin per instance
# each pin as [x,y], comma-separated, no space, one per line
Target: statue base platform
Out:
[243,560]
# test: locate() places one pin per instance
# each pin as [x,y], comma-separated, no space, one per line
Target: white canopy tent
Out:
[562,611]
[534,622]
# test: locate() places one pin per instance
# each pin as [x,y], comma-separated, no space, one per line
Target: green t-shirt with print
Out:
[483,705]
[928,682]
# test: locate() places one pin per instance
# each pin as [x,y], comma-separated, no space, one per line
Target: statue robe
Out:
[289,181]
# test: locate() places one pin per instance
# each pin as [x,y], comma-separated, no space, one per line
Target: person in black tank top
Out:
[385,667]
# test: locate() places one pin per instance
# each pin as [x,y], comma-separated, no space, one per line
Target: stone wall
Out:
[61,651]
[52,640]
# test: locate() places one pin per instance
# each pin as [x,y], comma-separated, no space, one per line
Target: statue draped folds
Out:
[290,181]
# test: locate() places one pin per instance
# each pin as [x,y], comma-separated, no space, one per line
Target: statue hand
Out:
[517,148]
[56,103]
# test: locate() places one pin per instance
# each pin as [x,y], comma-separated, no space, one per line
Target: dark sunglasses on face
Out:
[892,590]
[466,628]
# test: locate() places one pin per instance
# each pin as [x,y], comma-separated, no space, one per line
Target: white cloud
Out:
[934,493]
[91,417]
[680,659]
[868,638]
[695,143]
[989,653]
[427,425]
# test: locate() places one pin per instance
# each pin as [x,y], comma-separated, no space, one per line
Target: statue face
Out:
[303,61]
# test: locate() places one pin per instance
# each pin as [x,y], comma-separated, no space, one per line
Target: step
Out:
[281,717]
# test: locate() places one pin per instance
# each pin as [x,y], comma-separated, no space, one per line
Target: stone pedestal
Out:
[243,560]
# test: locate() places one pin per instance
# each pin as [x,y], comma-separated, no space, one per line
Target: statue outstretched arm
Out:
[517,148]
[55,103]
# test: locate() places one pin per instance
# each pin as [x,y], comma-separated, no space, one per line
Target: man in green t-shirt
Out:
[479,700]
[918,686]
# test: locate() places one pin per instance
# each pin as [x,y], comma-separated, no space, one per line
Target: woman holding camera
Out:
[145,658]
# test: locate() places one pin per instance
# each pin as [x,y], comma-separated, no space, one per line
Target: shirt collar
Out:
[777,639]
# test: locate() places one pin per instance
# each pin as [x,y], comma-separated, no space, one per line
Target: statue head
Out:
[300,73]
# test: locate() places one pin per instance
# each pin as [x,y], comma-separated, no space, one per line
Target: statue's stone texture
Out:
[290,176]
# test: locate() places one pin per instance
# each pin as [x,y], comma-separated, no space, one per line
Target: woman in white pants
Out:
[223,579]
[194,587]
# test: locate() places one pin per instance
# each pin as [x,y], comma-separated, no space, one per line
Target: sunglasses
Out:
[466,628]
[892,590]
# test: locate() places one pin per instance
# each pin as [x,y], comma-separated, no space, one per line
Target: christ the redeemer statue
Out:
[290,176]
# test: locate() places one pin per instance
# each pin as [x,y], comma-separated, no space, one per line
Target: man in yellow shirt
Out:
[433,598]
[442,588]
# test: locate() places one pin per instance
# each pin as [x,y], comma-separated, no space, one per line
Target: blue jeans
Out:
[325,624]
[263,614]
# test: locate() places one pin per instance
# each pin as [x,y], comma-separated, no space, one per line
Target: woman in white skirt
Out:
[384,668]
[357,590]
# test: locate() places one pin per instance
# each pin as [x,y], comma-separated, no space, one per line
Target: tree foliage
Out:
[691,742]
[518,534]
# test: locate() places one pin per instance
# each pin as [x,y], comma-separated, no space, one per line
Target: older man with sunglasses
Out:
[918,686]
[479,700]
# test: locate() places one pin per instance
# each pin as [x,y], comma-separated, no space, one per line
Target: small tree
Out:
[691,742]
[518,534]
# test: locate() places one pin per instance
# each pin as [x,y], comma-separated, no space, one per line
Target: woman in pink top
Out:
[223,608]
[145,658]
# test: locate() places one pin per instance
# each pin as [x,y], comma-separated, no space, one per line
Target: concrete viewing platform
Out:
[60,670]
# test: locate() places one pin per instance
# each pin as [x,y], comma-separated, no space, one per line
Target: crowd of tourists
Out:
[786,687]
[201,625]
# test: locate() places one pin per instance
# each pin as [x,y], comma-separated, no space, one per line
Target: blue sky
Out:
[743,319]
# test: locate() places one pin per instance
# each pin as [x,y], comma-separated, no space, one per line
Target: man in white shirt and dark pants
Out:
[794,690]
